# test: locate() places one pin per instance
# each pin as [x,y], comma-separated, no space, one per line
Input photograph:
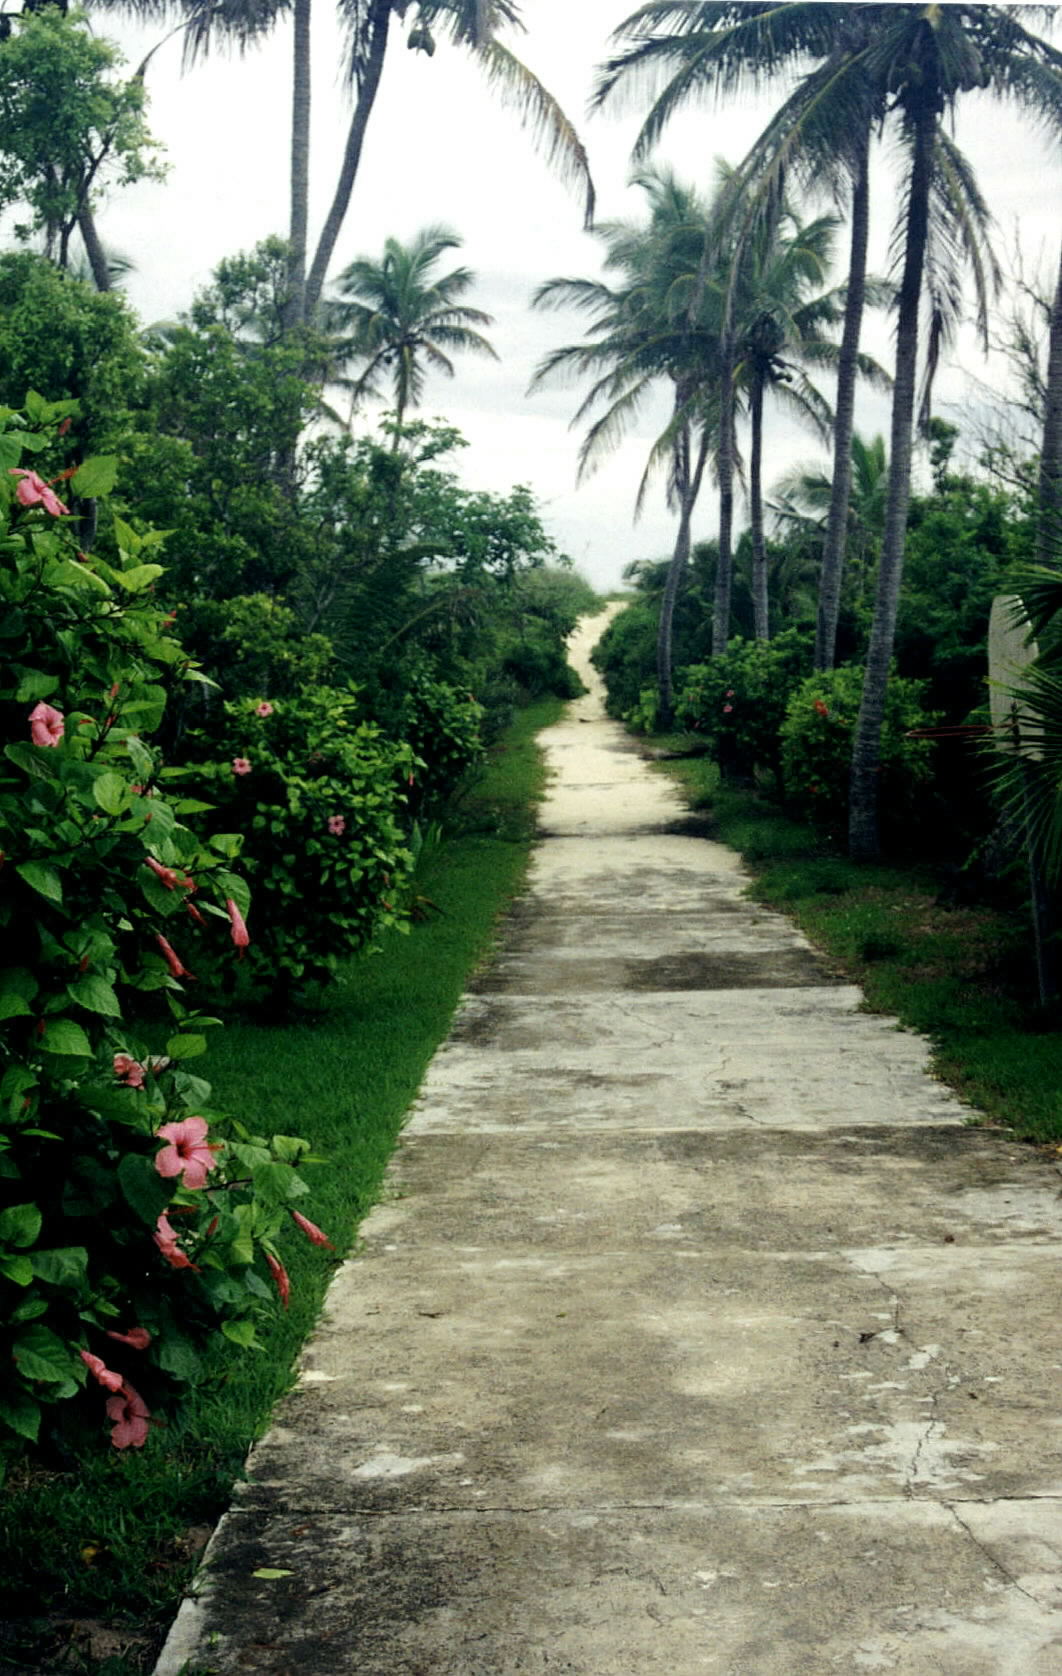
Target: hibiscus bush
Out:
[817,740]
[137,1223]
[738,701]
[317,794]
[442,725]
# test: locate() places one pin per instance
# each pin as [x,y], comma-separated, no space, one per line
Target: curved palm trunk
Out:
[863,841]
[379,23]
[760,604]
[689,485]
[1049,523]
[97,256]
[725,564]
[833,547]
[294,310]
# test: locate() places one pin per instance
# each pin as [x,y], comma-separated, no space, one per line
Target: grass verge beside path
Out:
[104,1548]
[960,973]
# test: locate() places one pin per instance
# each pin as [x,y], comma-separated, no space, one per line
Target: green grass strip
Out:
[961,973]
[113,1537]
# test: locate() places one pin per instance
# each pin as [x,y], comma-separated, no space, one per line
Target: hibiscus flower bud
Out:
[239,926]
[314,1234]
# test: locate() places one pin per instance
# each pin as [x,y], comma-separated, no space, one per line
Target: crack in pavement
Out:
[997,1564]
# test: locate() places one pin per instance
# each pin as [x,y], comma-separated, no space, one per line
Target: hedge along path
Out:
[700,1333]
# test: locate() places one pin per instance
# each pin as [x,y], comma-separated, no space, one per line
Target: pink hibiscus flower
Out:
[47,725]
[263,709]
[99,1371]
[130,1414]
[165,1238]
[188,1154]
[241,765]
[129,1070]
[34,491]
[314,1234]
[337,825]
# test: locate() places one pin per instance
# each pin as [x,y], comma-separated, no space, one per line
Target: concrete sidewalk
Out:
[696,1334]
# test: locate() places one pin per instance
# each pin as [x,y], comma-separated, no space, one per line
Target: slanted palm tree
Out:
[655,325]
[401,318]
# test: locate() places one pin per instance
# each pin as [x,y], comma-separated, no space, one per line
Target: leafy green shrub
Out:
[817,748]
[625,656]
[136,1222]
[441,725]
[316,794]
[642,717]
[738,702]
[254,643]
[537,665]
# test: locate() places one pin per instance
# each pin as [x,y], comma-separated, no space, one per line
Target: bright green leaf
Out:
[41,878]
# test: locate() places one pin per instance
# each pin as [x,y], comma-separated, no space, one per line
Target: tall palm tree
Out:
[781,314]
[821,134]
[908,61]
[400,317]
[655,325]
[371,27]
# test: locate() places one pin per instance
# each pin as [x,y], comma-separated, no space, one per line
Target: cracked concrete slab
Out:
[696,1332]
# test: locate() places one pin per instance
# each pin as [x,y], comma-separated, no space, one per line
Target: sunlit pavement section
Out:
[696,1332]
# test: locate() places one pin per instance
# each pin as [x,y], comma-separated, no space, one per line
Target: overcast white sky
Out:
[441,148]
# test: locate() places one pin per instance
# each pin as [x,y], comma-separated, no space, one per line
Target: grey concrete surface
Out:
[697,1331]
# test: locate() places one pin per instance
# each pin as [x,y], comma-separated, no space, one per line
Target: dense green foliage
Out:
[119,1262]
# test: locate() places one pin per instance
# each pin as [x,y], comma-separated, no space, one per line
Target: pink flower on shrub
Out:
[336,825]
[168,876]
[130,1414]
[240,935]
[241,765]
[727,708]
[129,1070]
[172,959]
[34,491]
[280,1275]
[99,1371]
[729,692]
[263,709]
[47,725]
[138,1338]
[188,1151]
[314,1234]
[820,708]
[166,1239]
[196,915]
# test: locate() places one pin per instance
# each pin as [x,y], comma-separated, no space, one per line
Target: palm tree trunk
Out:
[1049,522]
[760,607]
[725,563]
[368,86]
[97,258]
[833,548]
[863,839]
[294,310]
[689,486]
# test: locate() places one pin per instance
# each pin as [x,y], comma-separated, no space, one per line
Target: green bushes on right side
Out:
[737,702]
[816,748]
